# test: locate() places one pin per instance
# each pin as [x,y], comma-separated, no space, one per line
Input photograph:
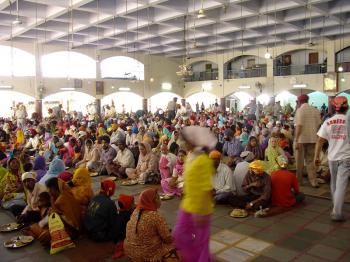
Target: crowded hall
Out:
[175,130]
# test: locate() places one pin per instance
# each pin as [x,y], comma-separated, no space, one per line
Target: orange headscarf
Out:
[147,200]
[125,202]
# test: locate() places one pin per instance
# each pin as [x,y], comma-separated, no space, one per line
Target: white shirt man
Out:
[222,181]
[334,130]
[240,172]
[125,158]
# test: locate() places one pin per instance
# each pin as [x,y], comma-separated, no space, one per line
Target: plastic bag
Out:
[60,240]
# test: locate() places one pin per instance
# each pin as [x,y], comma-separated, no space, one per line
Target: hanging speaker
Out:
[99,88]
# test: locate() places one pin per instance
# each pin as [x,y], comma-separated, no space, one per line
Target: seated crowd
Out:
[47,166]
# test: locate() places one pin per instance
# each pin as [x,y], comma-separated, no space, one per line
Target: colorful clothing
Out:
[152,240]
[56,167]
[82,189]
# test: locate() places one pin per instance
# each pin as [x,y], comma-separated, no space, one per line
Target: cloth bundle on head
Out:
[257,166]
[82,134]
[247,156]
[303,98]
[32,132]
[108,187]
[340,103]
[199,136]
[147,200]
[28,175]
[282,161]
[65,176]
[215,154]
[125,202]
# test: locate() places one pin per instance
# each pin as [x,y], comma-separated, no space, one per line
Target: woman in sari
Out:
[66,206]
[39,167]
[11,188]
[254,147]
[192,229]
[82,187]
[147,164]
[272,152]
[148,236]
[56,167]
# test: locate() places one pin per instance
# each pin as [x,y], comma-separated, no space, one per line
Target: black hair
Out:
[77,149]
[173,148]
[27,167]
[106,139]
[52,183]
[138,219]
[45,196]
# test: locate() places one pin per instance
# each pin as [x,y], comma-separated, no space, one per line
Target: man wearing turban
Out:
[222,181]
[257,185]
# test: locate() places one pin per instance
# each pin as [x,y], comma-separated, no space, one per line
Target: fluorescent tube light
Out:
[124,89]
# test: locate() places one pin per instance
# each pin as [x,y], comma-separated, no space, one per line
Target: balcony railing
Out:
[246,73]
[203,76]
[300,69]
[345,65]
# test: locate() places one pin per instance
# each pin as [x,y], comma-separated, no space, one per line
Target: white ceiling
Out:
[157,26]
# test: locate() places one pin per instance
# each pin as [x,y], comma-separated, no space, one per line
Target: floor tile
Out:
[320,227]
[341,233]
[309,235]
[260,222]
[296,244]
[295,221]
[216,246]
[253,245]
[263,259]
[269,235]
[304,213]
[224,222]
[280,254]
[308,258]
[235,255]
[327,252]
[245,229]
[343,244]
[228,237]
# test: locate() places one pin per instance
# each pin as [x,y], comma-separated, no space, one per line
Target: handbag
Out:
[60,240]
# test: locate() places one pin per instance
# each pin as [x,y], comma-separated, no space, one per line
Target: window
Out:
[161,100]
[127,101]
[9,99]
[122,67]
[16,62]
[70,100]
[206,98]
[68,65]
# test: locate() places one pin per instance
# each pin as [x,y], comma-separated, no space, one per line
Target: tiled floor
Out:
[302,235]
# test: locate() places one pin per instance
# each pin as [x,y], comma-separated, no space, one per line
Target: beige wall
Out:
[163,69]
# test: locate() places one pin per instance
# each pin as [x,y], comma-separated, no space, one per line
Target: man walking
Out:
[334,130]
[307,122]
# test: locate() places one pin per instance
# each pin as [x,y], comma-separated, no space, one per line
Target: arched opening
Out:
[16,62]
[203,71]
[70,101]
[161,100]
[237,101]
[246,66]
[10,99]
[300,62]
[122,67]
[317,99]
[123,101]
[206,98]
[64,64]
[285,98]
[343,59]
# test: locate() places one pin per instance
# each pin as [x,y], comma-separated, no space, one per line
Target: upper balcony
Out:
[343,60]
[203,71]
[245,67]
[300,62]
